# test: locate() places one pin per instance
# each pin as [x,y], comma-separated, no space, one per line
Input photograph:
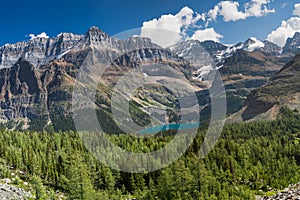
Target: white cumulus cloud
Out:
[297,10]
[41,35]
[207,34]
[287,28]
[258,8]
[229,10]
[169,29]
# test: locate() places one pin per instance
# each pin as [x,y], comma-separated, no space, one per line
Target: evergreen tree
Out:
[38,187]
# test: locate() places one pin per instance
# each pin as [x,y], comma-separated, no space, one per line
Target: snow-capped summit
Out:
[217,53]
[253,44]
[250,45]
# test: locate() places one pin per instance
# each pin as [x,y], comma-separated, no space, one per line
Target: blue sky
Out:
[21,18]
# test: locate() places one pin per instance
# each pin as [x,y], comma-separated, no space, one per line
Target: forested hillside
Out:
[250,159]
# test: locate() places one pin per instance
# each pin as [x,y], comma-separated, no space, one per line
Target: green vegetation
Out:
[250,158]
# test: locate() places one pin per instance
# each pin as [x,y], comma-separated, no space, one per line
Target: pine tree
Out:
[38,187]
[80,185]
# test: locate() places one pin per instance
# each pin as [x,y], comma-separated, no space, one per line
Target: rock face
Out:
[245,71]
[293,44]
[271,48]
[37,76]
[244,66]
[40,96]
[37,51]
[194,48]
[22,94]
[281,90]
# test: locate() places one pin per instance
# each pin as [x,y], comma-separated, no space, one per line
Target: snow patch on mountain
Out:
[254,44]
[229,51]
[250,45]
[64,53]
[203,71]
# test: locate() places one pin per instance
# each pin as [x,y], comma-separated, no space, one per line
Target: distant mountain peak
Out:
[293,44]
[95,33]
[272,48]
[95,29]
[253,44]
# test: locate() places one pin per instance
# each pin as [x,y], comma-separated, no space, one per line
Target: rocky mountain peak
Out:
[94,34]
[292,44]
[196,52]
[271,48]
[297,35]
[192,46]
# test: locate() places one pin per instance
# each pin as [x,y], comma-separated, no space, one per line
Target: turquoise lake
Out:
[166,127]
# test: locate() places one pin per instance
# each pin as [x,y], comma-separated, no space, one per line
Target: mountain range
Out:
[37,77]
